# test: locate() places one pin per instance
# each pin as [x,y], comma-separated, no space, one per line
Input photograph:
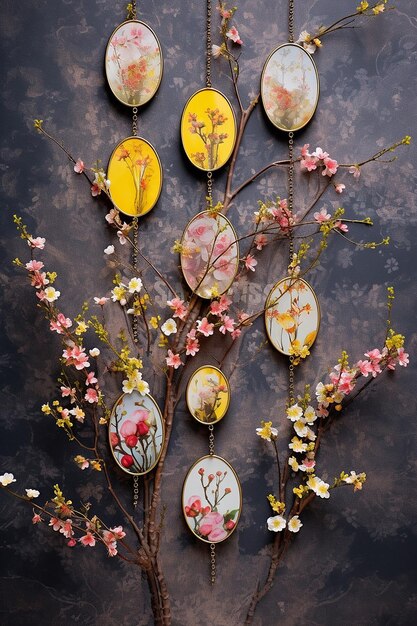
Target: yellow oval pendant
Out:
[292,316]
[133,63]
[135,175]
[209,254]
[289,87]
[208,395]
[208,129]
[136,433]
[211,499]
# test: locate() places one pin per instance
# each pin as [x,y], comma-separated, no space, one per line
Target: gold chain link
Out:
[211,440]
[135,121]
[291,21]
[212,563]
[135,491]
[291,244]
[134,9]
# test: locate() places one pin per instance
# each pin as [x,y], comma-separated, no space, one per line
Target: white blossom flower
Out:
[109,250]
[169,327]
[276,523]
[135,285]
[94,352]
[32,493]
[294,524]
[294,412]
[7,479]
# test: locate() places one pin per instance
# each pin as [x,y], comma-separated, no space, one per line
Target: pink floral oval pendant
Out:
[290,87]
[136,433]
[209,254]
[292,316]
[211,499]
[133,63]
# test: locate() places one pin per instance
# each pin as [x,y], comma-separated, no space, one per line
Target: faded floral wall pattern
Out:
[354,560]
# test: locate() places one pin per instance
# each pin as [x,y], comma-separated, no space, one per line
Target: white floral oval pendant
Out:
[290,87]
[209,254]
[136,433]
[211,499]
[292,316]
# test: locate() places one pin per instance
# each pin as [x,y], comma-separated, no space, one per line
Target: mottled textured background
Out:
[355,560]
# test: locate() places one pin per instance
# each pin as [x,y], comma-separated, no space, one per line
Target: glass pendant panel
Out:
[136,433]
[208,395]
[133,63]
[208,129]
[209,254]
[290,87]
[135,175]
[292,316]
[211,499]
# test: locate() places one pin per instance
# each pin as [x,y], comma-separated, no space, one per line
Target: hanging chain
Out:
[290,247]
[291,21]
[211,440]
[133,9]
[208,45]
[212,563]
[135,491]
[135,331]
[135,121]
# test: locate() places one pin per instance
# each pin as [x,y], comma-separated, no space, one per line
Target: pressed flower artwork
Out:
[292,317]
[135,173]
[136,432]
[211,499]
[208,394]
[289,87]
[209,254]
[133,63]
[208,129]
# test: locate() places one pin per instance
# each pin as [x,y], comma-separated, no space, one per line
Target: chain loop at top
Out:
[135,121]
[291,21]
[211,440]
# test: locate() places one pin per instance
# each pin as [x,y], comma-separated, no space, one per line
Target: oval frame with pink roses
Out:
[200,239]
[136,433]
[211,499]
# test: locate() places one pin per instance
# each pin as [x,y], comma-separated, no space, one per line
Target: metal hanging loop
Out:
[212,563]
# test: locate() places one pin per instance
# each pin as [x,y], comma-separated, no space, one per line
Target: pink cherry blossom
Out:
[38,280]
[60,323]
[67,391]
[34,266]
[341,226]
[236,333]
[365,367]
[76,356]
[260,241]
[87,540]
[112,216]
[233,34]
[204,327]
[36,518]
[225,302]
[37,242]
[309,163]
[173,360]
[55,522]
[79,166]
[355,170]
[322,216]
[178,306]
[227,324]
[100,301]
[91,379]
[91,396]
[304,149]
[340,187]
[250,262]
[192,345]
[320,154]
[403,357]
[72,542]
[331,167]
[216,308]
[66,529]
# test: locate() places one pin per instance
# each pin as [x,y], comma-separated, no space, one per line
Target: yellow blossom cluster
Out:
[276,505]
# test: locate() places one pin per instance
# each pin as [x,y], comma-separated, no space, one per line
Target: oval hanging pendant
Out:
[209,254]
[208,395]
[290,87]
[208,129]
[136,433]
[292,316]
[211,499]
[133,63]
[135,174]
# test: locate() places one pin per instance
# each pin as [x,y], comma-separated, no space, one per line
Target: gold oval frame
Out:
[310,288]
[112,185]
[236,243]
[229,466]
[223,377]
[185,125]
[310,58]
[158,412]
[161,63]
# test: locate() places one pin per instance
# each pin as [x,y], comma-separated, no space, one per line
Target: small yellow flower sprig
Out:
[311,42]
[276,505]
[61,415]
[357,480]
[62,506]
[267,431]
[83,463]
